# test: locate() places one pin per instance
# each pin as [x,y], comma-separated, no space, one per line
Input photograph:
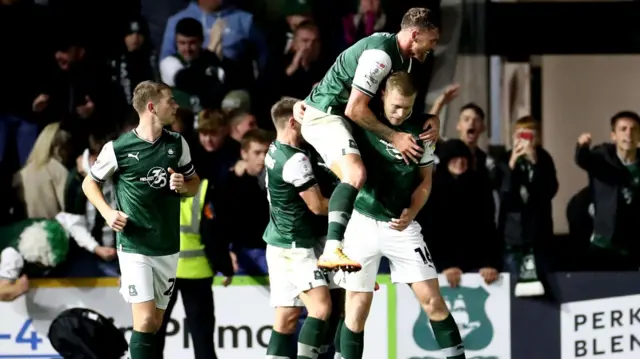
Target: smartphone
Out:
[525,135]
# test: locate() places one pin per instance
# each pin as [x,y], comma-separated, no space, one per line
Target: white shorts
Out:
[144,278]
[367,240]
[293,271]
[330,135]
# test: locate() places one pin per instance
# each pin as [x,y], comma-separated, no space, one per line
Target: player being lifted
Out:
[152,169]
[345,92]
[383,225]
[292,235]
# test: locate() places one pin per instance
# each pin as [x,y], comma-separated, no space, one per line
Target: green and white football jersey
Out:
[364,65]
[139,170]
[289,172]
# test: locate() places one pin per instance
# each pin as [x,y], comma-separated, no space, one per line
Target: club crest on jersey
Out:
[156,177]
[171,152]
[391,150]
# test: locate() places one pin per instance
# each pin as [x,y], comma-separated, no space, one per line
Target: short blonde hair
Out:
[419,17]
[147,91]
[401,81]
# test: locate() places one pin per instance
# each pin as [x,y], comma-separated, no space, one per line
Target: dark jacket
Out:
[242,211]
[216,246]
[608,178]
[460,214]
[525,199]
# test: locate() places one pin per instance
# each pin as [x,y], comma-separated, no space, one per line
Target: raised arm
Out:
[373,67]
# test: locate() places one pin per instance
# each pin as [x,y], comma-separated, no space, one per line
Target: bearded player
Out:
[344,93]
[293,234]
[383,225]
[151,169]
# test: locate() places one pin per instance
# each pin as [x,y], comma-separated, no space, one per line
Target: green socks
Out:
[311,337]
[448,337]
[351,343]
[340,208]
[280,346]
[141,345]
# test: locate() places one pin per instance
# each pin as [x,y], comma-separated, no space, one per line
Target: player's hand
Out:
[176,181]
[116,220]
[298,110]
[400,224]
[584,139]
[453,275]
[431,129]
[40,103]
[408,147]
[106,253]
[489,274]
[518,150]
[227,281]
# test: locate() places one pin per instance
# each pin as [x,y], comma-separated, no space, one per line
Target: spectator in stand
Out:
[240,122]
[236,99]
[192,69]
[303,67]
[213,152]
[70,92]
[40,184]
[295,13]
[243,198]
[235,39]
[134,62]
[370,18]
[471,125]
[461,195]
[76,203]
[614,176]
[528,184]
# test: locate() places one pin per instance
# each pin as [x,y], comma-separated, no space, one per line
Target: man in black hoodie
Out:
[614,176]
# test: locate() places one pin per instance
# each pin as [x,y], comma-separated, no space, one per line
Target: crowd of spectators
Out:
[64,95]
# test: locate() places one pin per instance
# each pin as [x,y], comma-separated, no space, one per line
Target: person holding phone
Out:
[528,184]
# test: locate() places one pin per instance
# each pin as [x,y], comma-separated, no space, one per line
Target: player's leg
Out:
[314,293]
[164,281]
[283,298]
[336,319]
[411,263]
[330,135]
[332,336]
[161,334]
[136,286]
[361,243]
[282,334]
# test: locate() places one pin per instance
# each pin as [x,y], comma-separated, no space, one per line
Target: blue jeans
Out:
[23,131]
[252,261]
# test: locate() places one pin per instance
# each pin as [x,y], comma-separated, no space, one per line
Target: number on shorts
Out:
[424,254]
[172,284]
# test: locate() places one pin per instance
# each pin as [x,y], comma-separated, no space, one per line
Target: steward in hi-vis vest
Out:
[201,256]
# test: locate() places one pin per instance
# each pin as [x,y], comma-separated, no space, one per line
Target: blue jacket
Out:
[240,29]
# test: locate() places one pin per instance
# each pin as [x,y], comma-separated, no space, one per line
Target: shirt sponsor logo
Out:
[156,177]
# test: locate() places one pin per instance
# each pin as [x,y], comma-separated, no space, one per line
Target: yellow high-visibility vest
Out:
[193,262]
